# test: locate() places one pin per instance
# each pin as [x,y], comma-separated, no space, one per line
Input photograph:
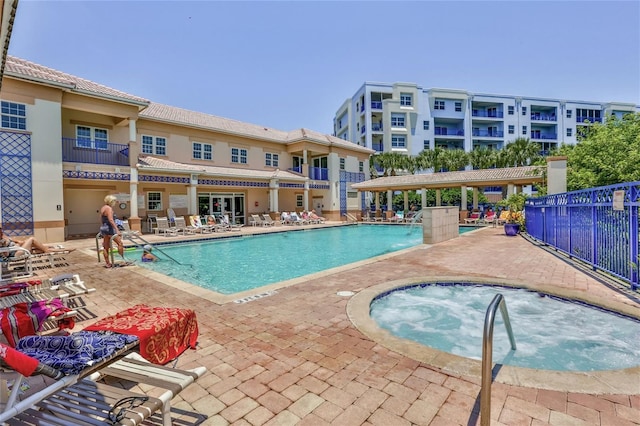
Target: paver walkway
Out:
[295,357]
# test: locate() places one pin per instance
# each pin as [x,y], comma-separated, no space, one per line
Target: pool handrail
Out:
[487,353]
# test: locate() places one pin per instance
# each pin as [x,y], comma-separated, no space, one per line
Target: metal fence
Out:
[598,226]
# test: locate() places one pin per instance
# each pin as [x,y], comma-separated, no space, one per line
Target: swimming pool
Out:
[551,333]
[232,265]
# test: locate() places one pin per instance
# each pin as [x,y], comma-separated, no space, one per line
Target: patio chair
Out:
[181,226]
[266,218]
[162,227]
[198,227]
[398,217]
[489,218]
[256,220]
[16,263]
[227,225]
[473,218]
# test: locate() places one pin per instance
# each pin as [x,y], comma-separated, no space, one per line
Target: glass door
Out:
[228,204]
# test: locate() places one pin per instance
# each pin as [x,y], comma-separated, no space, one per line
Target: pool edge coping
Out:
[623,381]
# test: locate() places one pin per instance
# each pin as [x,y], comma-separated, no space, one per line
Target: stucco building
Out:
[67,142]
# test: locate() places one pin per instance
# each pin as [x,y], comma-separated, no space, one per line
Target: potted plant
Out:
[515,216]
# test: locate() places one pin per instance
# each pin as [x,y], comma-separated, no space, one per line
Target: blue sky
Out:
[288,65]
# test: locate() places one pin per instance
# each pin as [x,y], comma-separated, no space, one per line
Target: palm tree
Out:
[391,162]
[522,152]
[454,159]
[483,158]
[430,158]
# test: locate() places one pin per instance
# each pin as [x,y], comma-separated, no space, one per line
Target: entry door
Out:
[317,205]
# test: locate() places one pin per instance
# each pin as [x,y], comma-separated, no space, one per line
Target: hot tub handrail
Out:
[487,351]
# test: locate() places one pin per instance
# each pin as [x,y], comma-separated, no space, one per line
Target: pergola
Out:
[512,177]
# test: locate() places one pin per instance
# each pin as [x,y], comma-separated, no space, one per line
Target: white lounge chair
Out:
[228,226]
[268,221]
[164,228]
[256,220]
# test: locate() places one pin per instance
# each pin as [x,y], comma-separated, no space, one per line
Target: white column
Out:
[406,201]
[438,198]
[463,197]
[510,189]
[193,195]
[475,197]
[133,191]
[424,197]
[132,130]
[273,195]
[389,200]
[305,197]
[376,196]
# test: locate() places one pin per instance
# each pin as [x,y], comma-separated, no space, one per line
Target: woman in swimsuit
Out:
[109,229]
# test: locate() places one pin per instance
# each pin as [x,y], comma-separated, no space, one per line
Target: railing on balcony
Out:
[443,131]
[582,119]
[376,127]
[535,135]
[493,133]
[543,117]
[489,114]
[378,147]
[296,169]
[318,173]
[363,129]
[94,152]
[376,105]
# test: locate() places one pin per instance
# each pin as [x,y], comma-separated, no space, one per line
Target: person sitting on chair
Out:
[314,216]
[31,244]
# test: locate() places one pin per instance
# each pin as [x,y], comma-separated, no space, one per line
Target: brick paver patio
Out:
[295,358]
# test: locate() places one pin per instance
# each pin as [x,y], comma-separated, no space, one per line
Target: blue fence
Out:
[94,152]
[585,225]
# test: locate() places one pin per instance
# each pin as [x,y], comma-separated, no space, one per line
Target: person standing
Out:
[109,230]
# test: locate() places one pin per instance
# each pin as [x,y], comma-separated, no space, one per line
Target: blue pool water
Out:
[231,265]
[550,333]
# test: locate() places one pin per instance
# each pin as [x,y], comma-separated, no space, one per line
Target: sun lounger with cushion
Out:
[473,218]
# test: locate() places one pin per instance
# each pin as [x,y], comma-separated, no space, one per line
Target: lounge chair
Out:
[181,226]
[228,226]
[164,228]
[266,218]
[489,218]
[16,263]
[398,217]
[256,220]
[295,219]
[473,218]
[171,216]
[198,227]
[127,231]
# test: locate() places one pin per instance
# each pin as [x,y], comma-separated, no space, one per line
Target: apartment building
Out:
[67,142]
[407,118]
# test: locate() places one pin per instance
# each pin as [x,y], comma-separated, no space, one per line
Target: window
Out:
[426,144]
[397,120]
[361,166]
[569,132]
[510,110]
[524,130]
[154,201]
[512,129]
[14,116]
[438,105]
[90,137]
[154,145]
[299,200]
[342,164]
[239,155]
[406,99]
[569,112]
[458,106]
[524,110]
[202,151]
[398,141]
[425,125]
[270,159]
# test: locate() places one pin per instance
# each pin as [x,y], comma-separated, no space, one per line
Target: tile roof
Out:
[159,164]
[21,68]
[484,177]
[16,67]
[180,116]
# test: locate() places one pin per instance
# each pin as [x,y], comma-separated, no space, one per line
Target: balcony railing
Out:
[376,105]
[378,147]
[543,117]
[489,114]
[296,169]
[318,173]
[443,131]
[544,136]
[582,119]
[492,134]
[94,152]
[376,127]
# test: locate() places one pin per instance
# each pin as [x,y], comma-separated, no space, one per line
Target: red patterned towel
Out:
[164,333]
[26,318]
[20,362]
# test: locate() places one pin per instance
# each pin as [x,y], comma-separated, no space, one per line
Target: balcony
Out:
[542,117]
[376,127]
[295,169]
[487,114]
[487,133]
[376,105]
[363,130]
[318,173]
[443,131]
[94,152]
[582,119]
[378,147]
[548,136]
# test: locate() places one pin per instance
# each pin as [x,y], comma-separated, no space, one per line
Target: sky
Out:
[291,64]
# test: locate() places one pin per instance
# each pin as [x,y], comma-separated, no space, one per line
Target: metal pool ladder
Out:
[487,353]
